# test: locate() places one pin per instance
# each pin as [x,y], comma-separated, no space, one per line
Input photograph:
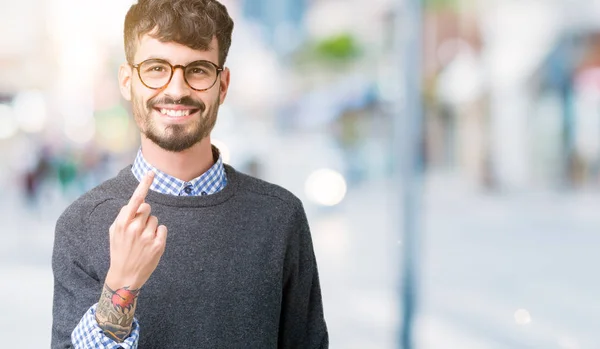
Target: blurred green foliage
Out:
[334,51]
[442,4]
[339,47]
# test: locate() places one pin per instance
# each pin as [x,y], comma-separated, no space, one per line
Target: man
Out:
[237,269]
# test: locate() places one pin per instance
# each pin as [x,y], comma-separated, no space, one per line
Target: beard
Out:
[175,138]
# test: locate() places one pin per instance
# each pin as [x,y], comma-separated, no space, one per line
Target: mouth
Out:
[180,113]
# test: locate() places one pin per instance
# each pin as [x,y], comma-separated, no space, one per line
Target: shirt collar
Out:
[210,182]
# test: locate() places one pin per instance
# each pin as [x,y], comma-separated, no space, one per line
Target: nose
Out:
[177,88]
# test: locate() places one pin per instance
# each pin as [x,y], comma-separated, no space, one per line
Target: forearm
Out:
[115,312]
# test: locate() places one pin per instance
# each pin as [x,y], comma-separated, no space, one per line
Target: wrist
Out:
[114,281]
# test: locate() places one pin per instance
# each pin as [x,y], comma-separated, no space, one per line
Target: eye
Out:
[155,67]
[198,71]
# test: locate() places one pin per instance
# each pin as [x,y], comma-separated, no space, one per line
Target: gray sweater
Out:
[238,271]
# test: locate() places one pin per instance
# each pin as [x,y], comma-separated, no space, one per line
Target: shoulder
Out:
[271,200]
[262,190]
[79,210]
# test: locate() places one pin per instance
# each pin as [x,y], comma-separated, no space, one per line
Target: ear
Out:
[125,76]
[224,86]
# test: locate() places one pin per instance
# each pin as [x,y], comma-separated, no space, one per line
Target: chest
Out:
[210,252]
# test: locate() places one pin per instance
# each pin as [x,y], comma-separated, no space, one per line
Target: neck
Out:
[185,165]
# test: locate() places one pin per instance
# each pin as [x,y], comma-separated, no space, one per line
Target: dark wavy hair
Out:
[192,23]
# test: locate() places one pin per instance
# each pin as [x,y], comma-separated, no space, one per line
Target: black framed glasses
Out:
[157,73]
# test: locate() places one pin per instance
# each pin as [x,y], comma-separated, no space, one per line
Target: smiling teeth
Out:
[170,112]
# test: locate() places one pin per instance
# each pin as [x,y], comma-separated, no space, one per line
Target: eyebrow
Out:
[166,60]
[156,57]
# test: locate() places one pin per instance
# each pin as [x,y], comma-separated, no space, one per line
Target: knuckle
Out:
[135,226]
[145,207]
[119,225]
[158,247]
[146,238]
[153,221]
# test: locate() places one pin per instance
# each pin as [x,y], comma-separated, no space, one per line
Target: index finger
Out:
[139,195]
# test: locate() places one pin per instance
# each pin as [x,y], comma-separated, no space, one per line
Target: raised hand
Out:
[136,241]
[136,244]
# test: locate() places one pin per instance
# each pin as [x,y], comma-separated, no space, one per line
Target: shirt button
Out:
[203,193]
[188,189]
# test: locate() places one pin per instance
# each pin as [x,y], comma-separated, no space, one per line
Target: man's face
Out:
[174,117]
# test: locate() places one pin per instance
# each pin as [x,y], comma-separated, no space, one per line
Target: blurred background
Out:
[506,190]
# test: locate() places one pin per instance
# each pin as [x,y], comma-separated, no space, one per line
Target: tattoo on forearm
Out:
[115,312]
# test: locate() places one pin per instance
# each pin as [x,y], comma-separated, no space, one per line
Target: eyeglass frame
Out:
[173,67]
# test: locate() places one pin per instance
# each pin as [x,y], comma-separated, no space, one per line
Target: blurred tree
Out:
[339,47]
[334,53]
[441,4]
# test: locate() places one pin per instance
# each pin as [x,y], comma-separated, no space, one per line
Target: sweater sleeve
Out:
[302,323]
[76,287]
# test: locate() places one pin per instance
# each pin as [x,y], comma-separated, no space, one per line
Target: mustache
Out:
[186,101]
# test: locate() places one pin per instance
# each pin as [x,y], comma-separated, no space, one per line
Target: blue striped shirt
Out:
[88,334]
